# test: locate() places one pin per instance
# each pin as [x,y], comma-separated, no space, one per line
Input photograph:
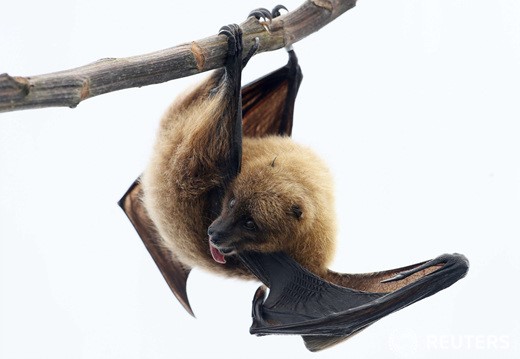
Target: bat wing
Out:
[328,311]
[174,272]
[267,109]
[268,102]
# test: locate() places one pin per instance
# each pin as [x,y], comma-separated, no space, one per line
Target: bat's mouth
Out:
[218,253]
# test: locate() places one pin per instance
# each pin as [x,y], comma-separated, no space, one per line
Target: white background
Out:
[413,103]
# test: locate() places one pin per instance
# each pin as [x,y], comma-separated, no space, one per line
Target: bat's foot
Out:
[261,13]
[266,15]
[233,32]
[233,63]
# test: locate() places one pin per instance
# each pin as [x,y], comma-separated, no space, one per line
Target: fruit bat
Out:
[185,209]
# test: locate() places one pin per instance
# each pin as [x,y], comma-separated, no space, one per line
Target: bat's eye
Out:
[249,224]
[232,202]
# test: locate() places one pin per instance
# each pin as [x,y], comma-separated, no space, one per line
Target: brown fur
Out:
[286,190]
[285,187]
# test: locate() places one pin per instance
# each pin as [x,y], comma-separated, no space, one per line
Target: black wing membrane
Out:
[267,109]
[325,313]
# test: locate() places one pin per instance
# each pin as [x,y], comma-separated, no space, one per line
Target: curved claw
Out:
[258,301]
[261,13]
[229,30]
[234,34]
[251,52]
[276,10]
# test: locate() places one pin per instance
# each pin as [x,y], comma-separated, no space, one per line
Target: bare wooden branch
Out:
[70,87]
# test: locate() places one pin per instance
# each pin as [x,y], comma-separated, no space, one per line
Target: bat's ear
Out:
[297,212]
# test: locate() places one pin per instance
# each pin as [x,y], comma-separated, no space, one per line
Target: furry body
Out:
[185,185]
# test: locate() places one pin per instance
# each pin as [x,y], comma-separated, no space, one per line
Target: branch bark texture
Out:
[68,88]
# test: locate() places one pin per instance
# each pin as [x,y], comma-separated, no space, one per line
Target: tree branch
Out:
[70,87]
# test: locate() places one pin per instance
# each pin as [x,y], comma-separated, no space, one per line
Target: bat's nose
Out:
[215,236]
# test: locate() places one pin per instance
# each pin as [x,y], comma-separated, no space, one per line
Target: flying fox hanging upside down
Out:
[228,190]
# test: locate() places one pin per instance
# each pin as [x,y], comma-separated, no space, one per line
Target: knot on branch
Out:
[325,4]
[198,54]
[13,88]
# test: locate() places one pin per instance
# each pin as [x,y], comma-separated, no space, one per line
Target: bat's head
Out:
[257,221]
[278,203]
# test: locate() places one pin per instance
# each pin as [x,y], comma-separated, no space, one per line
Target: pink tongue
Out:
[217,256]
